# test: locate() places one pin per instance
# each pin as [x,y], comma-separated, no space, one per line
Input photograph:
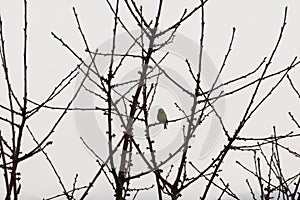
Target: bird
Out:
[162,117]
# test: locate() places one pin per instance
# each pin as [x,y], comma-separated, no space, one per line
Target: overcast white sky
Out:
[257,27]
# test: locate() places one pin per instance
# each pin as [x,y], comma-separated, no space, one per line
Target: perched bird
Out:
[162,117]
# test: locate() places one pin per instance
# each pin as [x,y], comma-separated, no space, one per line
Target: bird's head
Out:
[161,110]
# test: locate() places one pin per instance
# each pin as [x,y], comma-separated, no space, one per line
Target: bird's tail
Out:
[165,125]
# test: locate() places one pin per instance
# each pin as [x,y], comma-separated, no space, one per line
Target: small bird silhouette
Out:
[162,117]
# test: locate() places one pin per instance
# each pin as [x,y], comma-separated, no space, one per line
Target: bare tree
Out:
[132,106]
[18,113]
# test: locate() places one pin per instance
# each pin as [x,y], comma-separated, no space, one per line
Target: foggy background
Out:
[257,28]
